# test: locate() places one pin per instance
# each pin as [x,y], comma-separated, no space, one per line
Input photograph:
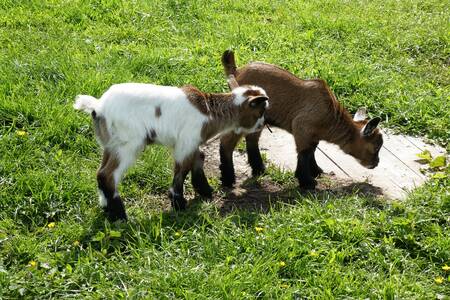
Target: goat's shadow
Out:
[245,203]
[254,196]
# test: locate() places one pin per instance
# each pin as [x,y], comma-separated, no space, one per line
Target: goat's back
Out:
[290,97]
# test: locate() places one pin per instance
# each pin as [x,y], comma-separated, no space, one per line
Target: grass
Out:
[389,56]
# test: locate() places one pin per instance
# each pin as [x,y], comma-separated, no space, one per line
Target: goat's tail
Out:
[86,103]
[229,63]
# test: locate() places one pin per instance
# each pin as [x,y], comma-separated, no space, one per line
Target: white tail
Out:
[85,103]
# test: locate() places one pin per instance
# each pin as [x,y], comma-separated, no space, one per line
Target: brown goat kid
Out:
[310,112]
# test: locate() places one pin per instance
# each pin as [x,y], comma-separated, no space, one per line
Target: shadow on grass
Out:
[259,197]
[242,205]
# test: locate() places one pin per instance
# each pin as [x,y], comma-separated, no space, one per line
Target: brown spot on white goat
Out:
[157,111]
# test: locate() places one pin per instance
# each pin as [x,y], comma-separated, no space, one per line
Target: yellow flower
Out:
[282,264]
[21,133]
[76,243]
[284,285]
[32,263]
[313,253]
[51,225]
[446,268]
[259,229]
[439,280]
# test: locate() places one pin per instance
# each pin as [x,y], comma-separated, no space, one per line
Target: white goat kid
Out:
[130,116]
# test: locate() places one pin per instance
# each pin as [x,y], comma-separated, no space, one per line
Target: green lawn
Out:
[390,56]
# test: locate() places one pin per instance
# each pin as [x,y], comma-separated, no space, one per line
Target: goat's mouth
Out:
[372,165]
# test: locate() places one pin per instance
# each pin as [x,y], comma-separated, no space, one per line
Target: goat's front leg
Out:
[227,144]
[183,164]
[303,171]
[315,169]
[199,181]
[253,154]
[305,150]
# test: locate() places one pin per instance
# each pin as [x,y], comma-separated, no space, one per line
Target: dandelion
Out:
[32,263]
[439,279]
[313,253]
[446,268]
[282,264]
[21,133]
[76,243]
[284,285]
[51,225]
[259,229]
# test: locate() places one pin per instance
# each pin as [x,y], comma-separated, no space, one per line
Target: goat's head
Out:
[367,146]
[251,102]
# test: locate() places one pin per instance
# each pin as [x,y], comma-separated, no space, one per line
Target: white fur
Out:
[85,103]
[102,199]
[257,127]
[129,111]
[238,93]
[360,115]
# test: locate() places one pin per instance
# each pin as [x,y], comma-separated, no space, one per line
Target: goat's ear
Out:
[258,100]
[232,83]
[370,126]
[361,114]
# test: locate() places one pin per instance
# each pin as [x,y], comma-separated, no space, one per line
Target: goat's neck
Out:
[343,131]
[221,106]
[222,115]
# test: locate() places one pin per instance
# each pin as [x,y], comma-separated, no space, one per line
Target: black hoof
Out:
[206,192]
[201,186]
[115,210]
[316,172]
[307,185]
[258,171]
[177,200]
[228,180]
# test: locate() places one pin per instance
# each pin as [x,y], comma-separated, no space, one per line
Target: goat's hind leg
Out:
[109,198]
[198,178]
[114,164]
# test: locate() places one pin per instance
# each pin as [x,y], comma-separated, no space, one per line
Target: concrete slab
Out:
[397,173]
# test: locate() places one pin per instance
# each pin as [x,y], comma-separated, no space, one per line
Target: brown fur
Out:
[101,131]
[307,109]
[197,98]
[222,111]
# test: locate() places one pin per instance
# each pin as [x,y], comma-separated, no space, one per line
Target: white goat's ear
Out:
[258,100]
[370,126]
[361,114]
[232,83]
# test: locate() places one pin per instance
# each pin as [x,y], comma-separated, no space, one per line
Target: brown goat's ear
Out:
[232,83]
[360,115]
[370,126]
[258,100]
